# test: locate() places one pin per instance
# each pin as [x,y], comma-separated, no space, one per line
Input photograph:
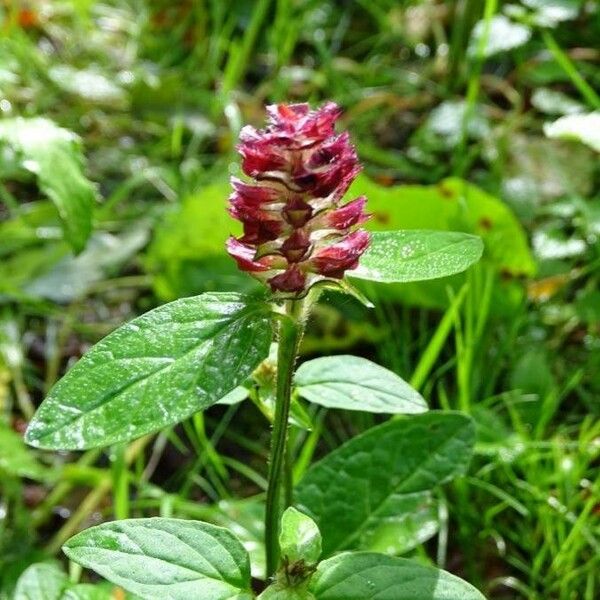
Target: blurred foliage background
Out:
[119,120]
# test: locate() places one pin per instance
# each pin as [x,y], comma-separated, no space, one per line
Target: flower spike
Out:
[296,229]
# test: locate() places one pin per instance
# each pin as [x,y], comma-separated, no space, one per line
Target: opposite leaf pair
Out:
[158,558]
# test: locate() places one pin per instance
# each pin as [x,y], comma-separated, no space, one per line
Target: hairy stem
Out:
[290,333]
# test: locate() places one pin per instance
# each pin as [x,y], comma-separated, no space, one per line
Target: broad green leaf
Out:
[299,538]
[583,128]
[54,156]
[16,459]
[417,255]
[353,490]
[370,576]
[155,371]
[166,558]
[451,205]
[41,581]
[355,383]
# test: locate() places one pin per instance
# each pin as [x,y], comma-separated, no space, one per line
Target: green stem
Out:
[290,333]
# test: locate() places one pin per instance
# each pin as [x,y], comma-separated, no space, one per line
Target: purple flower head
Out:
[296,229]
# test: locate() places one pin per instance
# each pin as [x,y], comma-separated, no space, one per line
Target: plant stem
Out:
[290,333]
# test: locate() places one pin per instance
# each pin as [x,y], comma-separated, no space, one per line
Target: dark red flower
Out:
[296,231]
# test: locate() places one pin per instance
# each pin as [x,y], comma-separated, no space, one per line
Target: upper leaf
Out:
[355,383]
[155,371]
[370,576]
[352,489]
[300,538]
[166,558]
[417,255]
[53,155]
[452,205]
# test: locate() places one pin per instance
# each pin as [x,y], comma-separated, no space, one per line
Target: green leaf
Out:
[41,581]
[155,371]
[354,383]
[54,156]
[299,538]
[451,205]
[166,558]
[16,459]
[370,576]
[417,255]
[353,490]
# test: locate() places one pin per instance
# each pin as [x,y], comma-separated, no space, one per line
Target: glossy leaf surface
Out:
[355,383]
[417,255]
[354,489]
[166,558]
[155,371]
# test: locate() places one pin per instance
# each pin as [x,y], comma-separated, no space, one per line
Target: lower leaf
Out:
[166,558]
